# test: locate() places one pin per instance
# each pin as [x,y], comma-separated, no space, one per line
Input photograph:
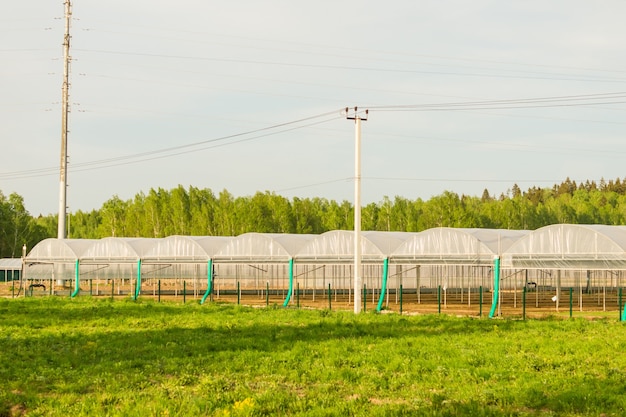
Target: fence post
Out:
[570,301]
[330,302]
[439,299]
[364,298]
[524,303]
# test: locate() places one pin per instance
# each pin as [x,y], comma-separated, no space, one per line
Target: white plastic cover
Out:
[58,250]
[569,246]
[388,242]
[446,245]
[184,249]
[10,264]
[338,246]
[211,244]
[262,247]
[557,246]
[118,250]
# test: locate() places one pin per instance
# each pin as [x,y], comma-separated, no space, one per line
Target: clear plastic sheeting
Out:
[569,246]
[184,249]
[10,269]
[115,249]
[388,242]
[553,247]
[446,245]
[262,247]
[210,244]
[338,246]
[431,270]
[59,250]
[10,264]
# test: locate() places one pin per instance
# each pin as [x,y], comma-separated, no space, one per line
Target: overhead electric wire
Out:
[411,179]
[346,67]
[456,180]
[550,101]
[536,102]
[433,109]
[367,51]
[367,57]
[213,88]
[167,152]
[83,168]
[516,146]
[298,187]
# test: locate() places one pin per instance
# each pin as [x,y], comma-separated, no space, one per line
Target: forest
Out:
[201,212]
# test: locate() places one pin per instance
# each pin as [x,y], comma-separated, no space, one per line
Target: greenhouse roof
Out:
[262,247]
[338,246]
[570,246]
[59,250]
[10,264]
[560,246]
[117,249]
[184,248]
[445,245]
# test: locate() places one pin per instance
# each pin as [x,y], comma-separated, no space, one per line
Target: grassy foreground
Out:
[61,357]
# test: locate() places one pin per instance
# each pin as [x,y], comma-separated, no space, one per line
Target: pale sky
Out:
[153,75]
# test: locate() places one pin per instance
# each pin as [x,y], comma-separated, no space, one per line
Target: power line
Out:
[485,181]
[169,155]
[549,101]
[350,68]
[420,179]
[536,102]
[368,52]
[177,150]
[369,57]
[299,187]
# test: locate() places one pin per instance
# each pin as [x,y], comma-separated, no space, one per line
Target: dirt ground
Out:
[537,305]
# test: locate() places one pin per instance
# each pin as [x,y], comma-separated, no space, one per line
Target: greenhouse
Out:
[438,269]
[10,269]
[577,264]
[452,266]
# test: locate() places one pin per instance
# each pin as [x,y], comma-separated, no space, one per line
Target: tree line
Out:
[201,212]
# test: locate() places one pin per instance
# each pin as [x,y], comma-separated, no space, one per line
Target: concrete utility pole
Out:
[64,116]
[358,281]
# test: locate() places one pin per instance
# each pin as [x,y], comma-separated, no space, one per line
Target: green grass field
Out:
[87,357]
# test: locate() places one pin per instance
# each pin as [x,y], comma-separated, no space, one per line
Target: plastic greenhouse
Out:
[10,269]
[586,261]
[435,270]
[456,263]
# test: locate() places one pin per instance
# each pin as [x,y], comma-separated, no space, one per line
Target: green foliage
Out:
[200,212]
[18,228]
[88,356]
